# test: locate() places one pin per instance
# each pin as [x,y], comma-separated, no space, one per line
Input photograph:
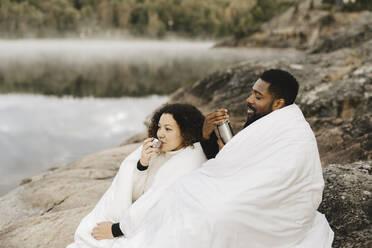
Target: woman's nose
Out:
[160,133]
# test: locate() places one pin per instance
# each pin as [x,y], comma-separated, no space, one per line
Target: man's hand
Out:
[212,120]
[102,231]
[220,143]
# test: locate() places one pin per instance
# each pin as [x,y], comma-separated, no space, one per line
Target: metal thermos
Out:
[157,143]
[225,131]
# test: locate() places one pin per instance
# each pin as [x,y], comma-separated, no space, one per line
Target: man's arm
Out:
[210,146]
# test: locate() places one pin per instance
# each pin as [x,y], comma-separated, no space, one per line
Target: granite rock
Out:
[347,203]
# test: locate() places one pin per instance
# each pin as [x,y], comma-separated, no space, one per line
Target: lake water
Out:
[38,132]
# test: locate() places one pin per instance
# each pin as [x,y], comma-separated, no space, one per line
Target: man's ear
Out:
[278,103]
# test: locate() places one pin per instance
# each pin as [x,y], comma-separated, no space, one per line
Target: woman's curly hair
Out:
[189,119]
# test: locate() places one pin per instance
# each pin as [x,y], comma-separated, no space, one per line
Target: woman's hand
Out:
[103,231]
[147,151]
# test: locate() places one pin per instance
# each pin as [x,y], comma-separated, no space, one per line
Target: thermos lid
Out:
[225,121]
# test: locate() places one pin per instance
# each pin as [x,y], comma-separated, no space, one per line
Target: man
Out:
[261,190]
[273,90]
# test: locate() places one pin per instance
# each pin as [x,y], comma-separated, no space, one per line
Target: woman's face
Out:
[169,133]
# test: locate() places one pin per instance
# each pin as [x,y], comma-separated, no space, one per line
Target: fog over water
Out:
[139,50]
[84,50]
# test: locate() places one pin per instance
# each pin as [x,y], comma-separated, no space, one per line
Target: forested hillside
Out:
[146,18]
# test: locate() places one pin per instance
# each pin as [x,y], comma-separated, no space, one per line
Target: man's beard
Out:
[251,119]
[255,116]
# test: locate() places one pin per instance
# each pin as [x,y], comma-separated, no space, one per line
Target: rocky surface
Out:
[347,203]
[45,210]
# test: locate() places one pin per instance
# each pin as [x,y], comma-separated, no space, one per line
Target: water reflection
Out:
[38,132]
[113,68]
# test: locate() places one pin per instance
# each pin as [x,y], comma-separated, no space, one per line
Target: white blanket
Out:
[261,191]
[118,198]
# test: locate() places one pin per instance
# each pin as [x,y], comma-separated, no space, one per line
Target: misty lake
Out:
[63,99]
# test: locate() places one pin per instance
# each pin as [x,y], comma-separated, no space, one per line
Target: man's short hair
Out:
[282,85]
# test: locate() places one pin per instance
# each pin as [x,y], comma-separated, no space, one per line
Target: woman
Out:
[148,170]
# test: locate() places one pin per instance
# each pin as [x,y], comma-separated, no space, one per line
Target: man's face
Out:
[260,102]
